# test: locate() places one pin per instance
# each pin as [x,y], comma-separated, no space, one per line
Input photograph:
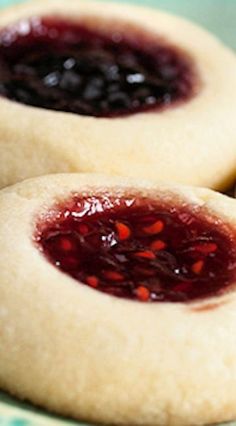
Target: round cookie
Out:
[161,350]
[159,105]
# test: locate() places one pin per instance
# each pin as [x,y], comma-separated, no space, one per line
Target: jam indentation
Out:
[140,248]
[90,69]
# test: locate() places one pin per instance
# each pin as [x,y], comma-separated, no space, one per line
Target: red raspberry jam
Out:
[90,69]
[138,248]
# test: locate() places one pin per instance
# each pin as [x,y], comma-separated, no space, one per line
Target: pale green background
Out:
[219,16]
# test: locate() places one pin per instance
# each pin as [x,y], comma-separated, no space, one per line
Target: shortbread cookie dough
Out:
[118,300]
[100,87]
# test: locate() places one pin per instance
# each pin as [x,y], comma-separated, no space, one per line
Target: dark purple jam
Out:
[137,248]
[94,70]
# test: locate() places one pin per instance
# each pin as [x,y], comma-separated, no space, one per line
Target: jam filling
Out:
[138,248]
[96,70]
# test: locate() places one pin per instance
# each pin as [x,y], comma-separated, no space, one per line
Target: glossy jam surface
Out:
[137,248]
[102,70]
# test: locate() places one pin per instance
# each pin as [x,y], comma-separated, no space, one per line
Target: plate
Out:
[219,16]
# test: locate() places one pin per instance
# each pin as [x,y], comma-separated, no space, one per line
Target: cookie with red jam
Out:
[118,299]
[124,90]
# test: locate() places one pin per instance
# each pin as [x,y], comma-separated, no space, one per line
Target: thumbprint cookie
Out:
[117,89]
[118,299]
